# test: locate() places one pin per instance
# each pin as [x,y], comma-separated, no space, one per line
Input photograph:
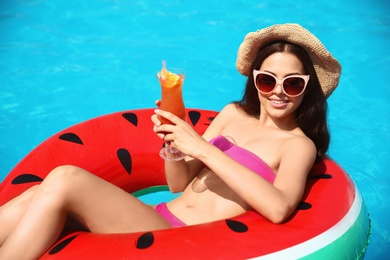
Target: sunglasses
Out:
[292,86]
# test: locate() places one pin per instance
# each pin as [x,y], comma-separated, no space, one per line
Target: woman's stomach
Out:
[207,198]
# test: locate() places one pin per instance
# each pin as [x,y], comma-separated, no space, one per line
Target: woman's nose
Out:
[278,89]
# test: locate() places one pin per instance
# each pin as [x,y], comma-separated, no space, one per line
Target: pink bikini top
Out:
[244,157]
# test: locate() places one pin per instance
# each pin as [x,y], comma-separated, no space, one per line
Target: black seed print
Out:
[210,119]
[320,176]
[125,159]
[236,226]
[304,205]
[194,117]
[71,137]
[146,240]
[26,178]
[57,248]
[131,117]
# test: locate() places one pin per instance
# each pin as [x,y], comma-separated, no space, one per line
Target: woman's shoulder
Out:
[232,110]
[229,108]
[300,145]
[226,116]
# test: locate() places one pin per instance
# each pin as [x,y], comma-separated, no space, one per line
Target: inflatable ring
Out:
[330,222]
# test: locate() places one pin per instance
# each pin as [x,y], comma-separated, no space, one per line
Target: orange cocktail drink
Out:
[171,82]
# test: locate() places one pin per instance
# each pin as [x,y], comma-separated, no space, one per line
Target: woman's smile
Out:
[279,103]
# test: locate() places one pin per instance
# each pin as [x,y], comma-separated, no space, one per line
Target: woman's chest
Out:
[265,143]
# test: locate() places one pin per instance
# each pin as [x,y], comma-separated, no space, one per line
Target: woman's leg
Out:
[12,211]
[96,204]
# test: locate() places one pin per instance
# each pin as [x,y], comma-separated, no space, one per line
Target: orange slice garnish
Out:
[172,76]
[169,79]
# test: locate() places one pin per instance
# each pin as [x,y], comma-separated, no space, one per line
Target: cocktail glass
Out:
[171,82]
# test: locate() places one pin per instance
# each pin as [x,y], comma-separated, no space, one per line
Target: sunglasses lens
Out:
[265,83]
[294,86]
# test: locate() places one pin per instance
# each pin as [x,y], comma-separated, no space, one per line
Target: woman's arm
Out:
[179,174]
[274,201]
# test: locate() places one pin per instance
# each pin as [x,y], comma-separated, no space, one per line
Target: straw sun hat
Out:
[326,66]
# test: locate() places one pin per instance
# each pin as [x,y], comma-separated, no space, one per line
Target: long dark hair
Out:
[311,114]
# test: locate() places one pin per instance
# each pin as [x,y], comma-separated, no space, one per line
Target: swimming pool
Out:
[63,62]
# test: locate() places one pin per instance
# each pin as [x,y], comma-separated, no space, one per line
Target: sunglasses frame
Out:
[280,82]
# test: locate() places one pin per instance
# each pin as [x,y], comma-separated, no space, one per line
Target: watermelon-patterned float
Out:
[330,222]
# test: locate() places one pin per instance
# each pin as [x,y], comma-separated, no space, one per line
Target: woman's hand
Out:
[180,135]
[157,122]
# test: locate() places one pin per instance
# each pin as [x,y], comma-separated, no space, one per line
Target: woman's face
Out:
[276,103]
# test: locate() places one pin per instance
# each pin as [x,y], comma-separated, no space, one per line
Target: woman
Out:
[280,119]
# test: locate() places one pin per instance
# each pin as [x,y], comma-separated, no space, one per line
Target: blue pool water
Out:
[62,62]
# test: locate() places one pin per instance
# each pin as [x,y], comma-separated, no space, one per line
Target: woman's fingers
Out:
[179,134]
[156,125]
[155,120]
[171,117]
[163,129]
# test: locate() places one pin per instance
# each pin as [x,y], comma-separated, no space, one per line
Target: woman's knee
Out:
[61,178]
[22,199]
[64,172]
[26,196]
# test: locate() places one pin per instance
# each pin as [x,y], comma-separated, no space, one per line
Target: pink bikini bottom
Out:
[165,213]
